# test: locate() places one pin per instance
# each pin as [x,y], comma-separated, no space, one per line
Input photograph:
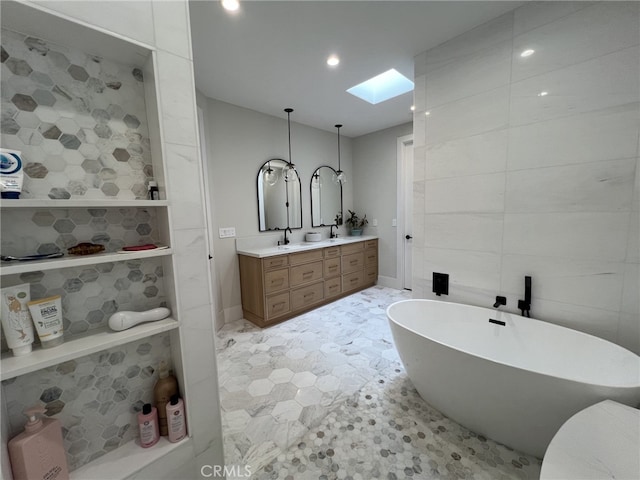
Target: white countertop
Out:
[300,247]
[600,442]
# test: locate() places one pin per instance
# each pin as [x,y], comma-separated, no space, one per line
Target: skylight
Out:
[382,87]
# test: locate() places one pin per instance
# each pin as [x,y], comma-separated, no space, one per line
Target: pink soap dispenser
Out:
[176,419]
[38,452]
[148,424]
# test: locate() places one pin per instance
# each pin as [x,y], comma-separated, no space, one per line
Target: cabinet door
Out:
[306,273]
[332,287]
[371,275]
[306,296]
[371,257]
[352,281]
[352,262]
[332,267]
[277,305]
[275,280]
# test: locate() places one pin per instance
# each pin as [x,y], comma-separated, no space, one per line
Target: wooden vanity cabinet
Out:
[279,287]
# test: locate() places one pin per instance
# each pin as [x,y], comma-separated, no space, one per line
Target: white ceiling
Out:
[272,54]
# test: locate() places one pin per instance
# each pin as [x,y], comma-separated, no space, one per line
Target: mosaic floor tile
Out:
[340,405]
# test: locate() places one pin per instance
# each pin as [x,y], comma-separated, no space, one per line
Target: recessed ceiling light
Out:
[333,60]
[543,94]
[527,53]
[382,87]
[412,108]
[231,5]
[427,113]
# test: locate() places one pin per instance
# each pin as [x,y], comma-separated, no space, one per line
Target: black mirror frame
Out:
[277,229]
[339,220]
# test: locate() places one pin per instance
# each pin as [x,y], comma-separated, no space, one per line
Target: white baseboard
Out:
[233,313]
[389,282]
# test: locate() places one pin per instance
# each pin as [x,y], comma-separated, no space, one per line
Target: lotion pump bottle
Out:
[165,387]
[148,424]
[176,419]
[38,452]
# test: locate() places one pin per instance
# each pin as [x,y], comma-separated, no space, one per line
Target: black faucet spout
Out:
[500,301]
[331,234]
[286,240]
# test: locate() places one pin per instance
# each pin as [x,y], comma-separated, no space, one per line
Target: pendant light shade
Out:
[289,171]
[340,176]
[270,175]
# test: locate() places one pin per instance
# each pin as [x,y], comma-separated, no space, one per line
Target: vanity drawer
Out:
[332,287]
[277,305]
[371,275]
[305,296]
[275,280]
[370,257]
[331,252]
[353,262]
[275,262]
[332,267]
[352,281]
[371,243]
[304,257]
[306,273]
[352,247]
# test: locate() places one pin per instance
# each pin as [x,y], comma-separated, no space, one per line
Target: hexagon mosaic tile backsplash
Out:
[96,398]
[80,121]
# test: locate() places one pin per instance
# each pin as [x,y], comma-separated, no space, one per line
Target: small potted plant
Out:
[356,223]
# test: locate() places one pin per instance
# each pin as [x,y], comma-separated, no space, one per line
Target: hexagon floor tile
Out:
[324,395]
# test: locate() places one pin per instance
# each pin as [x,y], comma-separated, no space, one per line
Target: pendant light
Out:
[340,176]
[270,175]
[289,171]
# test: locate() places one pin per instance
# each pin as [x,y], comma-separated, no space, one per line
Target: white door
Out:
[405,210]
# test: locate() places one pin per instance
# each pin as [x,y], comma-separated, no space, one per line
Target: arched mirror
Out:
[326,198]
[279,196]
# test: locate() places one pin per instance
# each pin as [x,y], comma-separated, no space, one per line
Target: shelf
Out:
[97,203]
[75,347]
[68,261]
[131,458]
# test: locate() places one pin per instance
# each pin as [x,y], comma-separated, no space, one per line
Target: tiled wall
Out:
[96,398]
[530,165]
[79,121]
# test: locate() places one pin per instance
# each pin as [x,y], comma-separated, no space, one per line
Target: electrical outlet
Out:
[227,232]
[374,222]
[394,223]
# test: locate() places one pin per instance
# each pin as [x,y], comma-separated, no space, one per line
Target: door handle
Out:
[408,237]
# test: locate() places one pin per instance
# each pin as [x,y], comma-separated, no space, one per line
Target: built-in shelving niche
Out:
[81,105]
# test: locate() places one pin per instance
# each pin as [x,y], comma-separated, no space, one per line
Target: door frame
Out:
[402,142]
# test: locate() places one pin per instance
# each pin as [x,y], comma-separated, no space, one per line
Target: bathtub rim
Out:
[494,361]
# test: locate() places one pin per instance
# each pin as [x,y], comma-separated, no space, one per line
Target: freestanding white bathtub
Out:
[515,383]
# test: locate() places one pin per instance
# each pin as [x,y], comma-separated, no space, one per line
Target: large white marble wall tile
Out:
[480,232]
[203,398]
[474,193]
[589,187]
[130,19]
[601,236]
[479,270]
[488,34]
[633,243]
[630,297]
[534,14]
[171,22]
[589,33]
[198,334]
[184,186]
[417,263]
[596,84]
[489,68]
[470,116]
[594,321]
[483,153]
[190,264]
[601,135]
[419,130]
[420,93]
[418,198]
[591,283]
[177,99]
[419,163]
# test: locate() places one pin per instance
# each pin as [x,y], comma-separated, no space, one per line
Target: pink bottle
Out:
[38,452]
[176,419]
[148,424]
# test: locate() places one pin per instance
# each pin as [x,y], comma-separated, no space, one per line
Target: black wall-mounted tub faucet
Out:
[525,305]
[500,301]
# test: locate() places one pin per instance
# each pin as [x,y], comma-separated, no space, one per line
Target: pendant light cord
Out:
[289,110]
